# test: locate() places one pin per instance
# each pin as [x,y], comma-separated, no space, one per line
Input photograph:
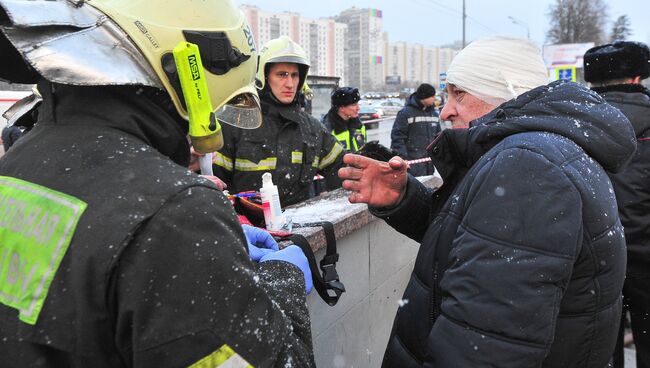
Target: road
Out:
[382,132]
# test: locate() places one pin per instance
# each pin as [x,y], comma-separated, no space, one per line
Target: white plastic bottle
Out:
[271,203]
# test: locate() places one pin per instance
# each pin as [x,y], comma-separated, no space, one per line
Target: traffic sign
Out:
[566,73]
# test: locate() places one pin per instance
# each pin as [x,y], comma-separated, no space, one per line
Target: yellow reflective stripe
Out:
[331,156]
[224,357]
[316,162]
[268,163]
[296,157]
[222,160]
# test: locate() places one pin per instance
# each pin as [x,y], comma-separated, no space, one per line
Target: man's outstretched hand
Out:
[377,183]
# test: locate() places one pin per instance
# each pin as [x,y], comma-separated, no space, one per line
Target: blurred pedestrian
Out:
[10,135]
[615,71]
[113,254]
[415,127]
[291,145]
[343,119]
[522,255]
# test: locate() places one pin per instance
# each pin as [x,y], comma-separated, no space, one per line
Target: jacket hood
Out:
[633,100]
[129,109]
[567,109]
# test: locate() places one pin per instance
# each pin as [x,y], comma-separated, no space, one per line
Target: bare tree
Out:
[621,29]
[577,21]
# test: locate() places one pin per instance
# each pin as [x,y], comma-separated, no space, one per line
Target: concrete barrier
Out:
[375,264]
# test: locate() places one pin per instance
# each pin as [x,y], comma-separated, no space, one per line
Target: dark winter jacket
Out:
[413,130]
[632,186]
[155,272]
[350,133]
[522,256]
[10,135]
[290,144]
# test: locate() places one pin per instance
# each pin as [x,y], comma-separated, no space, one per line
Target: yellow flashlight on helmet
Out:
[205,130]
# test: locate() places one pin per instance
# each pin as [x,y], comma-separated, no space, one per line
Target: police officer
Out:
[615,71]
[113,254]
[343,119]
[290,144]
[415,127]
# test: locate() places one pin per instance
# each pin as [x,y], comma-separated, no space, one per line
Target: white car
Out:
[389,107]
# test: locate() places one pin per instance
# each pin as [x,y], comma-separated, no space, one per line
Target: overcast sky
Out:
[438,22]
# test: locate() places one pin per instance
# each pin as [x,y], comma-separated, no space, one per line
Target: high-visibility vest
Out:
[351,144]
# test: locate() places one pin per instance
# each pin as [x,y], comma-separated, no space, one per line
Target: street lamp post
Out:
[521,23]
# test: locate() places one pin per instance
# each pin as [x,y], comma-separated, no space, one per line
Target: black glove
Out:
[377,151]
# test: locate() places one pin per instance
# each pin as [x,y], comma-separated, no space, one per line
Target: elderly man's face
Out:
[462,107]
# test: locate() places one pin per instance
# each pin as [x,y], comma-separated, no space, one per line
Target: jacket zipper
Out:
[435,309]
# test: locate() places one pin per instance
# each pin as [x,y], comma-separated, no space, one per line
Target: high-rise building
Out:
[322,39]
[413,64]
[364,47]
[394,62]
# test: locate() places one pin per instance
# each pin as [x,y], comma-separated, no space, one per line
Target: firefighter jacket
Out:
[119,257]
[413,130]
[522,255]
[350,133]
[290,144]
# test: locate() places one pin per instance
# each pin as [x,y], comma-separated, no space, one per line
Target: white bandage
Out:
[497,69]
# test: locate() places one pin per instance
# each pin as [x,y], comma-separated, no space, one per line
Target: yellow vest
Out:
[352,144]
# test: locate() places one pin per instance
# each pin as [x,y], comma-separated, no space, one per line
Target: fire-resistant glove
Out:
[260,242]
[294,255]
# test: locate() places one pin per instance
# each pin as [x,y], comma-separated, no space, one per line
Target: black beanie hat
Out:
[425,90]
[345,96]
[621,59]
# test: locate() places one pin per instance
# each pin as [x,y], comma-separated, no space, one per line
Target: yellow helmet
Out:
[130,42]
[225,42]
[282,50]
[309,94]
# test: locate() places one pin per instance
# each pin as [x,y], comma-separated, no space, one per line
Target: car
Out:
[370,112]
[389,107]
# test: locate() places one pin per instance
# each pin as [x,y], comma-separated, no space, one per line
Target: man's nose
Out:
[448,111]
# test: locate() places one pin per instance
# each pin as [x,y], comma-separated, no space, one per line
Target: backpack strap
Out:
[327,283]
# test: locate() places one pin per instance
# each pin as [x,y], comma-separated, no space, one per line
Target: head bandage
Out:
[497,69]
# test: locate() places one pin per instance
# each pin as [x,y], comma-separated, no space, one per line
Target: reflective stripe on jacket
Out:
[290,144]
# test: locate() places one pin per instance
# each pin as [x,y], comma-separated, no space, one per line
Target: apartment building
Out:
[323,39]
[364,47]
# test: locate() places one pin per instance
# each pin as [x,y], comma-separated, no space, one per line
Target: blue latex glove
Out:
[260,242]
[294,255]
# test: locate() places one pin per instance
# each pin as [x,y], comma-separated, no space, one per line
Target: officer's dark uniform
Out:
[290,144]
[414,128]
[153,267]
[350,133]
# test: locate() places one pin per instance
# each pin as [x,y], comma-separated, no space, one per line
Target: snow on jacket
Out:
[413,130]
[156,273]
[632,186]
[522,256]
[290,144]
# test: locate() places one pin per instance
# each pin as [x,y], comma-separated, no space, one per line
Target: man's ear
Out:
[636,80]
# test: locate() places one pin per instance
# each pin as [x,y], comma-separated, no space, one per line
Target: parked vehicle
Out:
[370,112]
[389,107]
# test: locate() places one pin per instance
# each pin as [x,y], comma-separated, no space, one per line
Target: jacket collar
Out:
[123,108]
[339,125]
[415,103]
[634,101]
[627,88]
